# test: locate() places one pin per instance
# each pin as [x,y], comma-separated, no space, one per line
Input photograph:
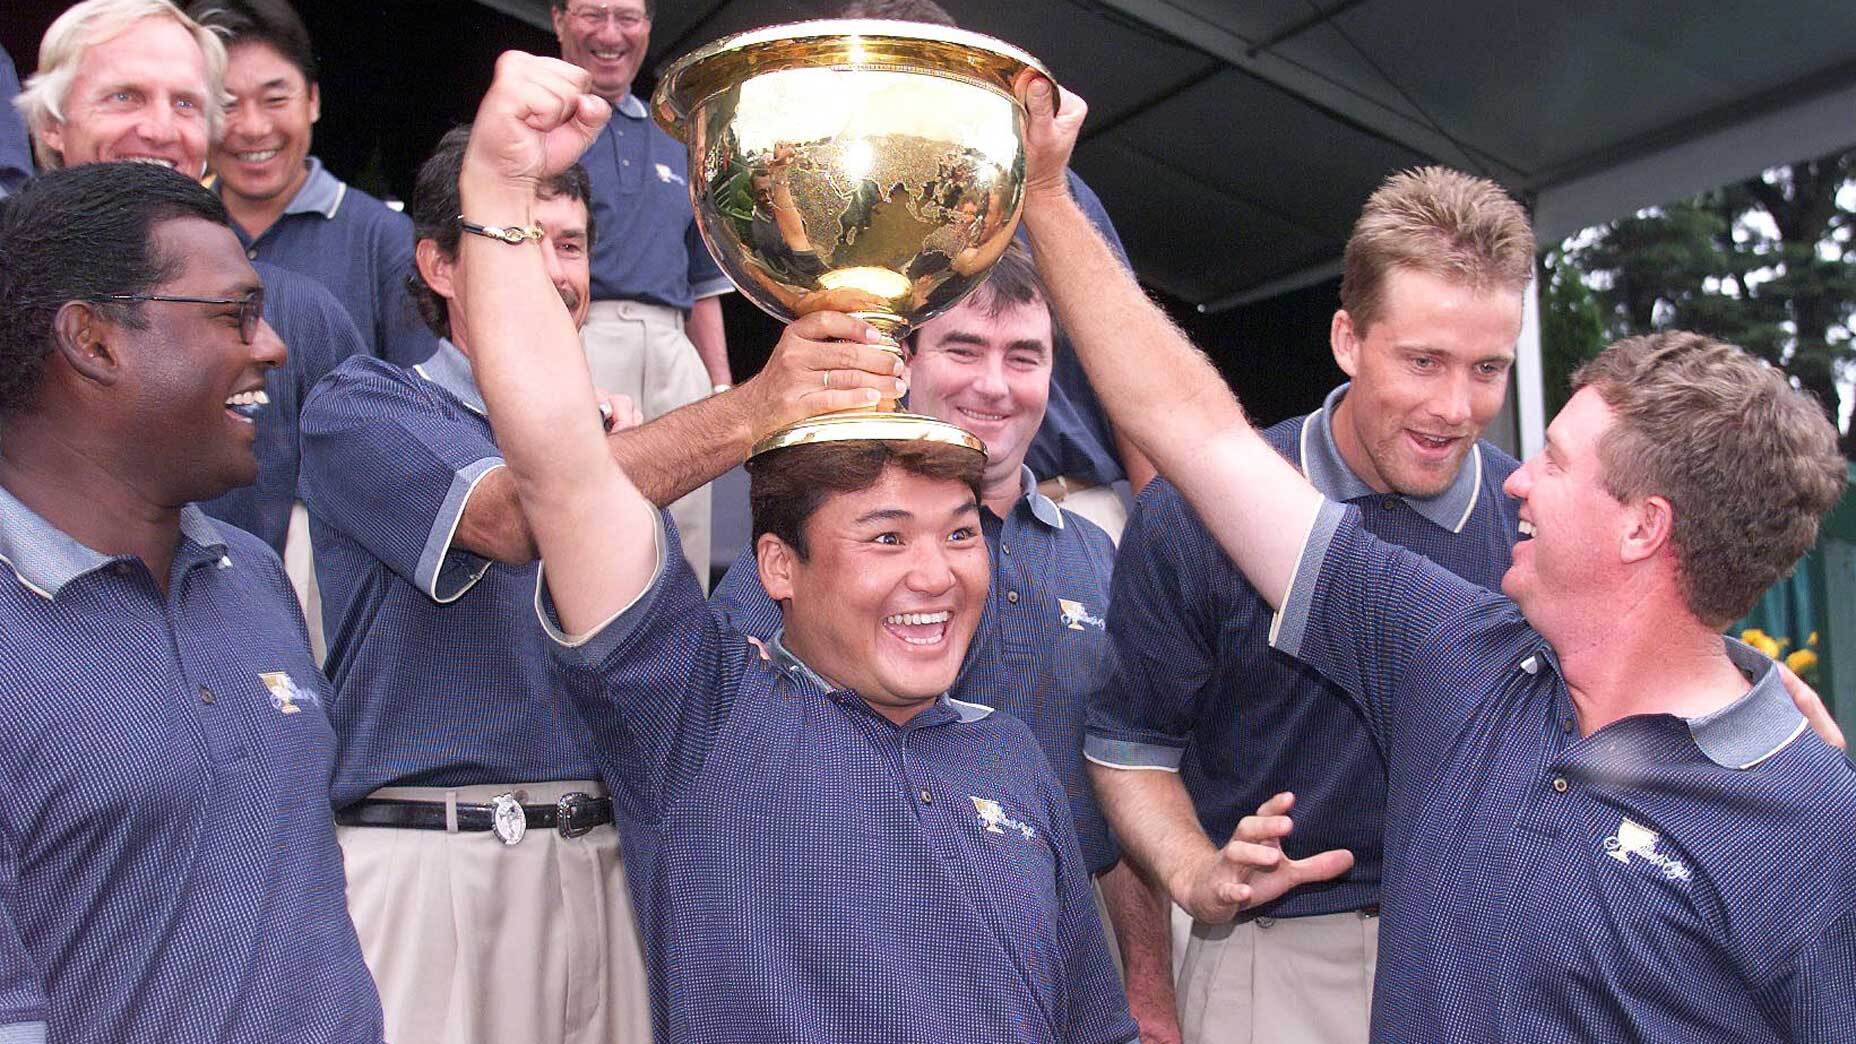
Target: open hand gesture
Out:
[1252,869]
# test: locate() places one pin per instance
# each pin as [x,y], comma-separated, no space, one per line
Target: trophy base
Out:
[869,424]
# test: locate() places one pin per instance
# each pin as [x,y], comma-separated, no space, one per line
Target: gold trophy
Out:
[868,167]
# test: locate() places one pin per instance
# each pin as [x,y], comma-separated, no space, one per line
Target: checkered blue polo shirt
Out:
[1196,688]
[1040,645]
[440,672]
[317,331]
[804,870]
[1662,879]
[168,866]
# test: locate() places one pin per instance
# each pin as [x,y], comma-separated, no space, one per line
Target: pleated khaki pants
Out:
[472,941]
[1292,980]
[640,350]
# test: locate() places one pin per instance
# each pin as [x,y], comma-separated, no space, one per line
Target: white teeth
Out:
[1527,529]
[918,619]
[257,157]
[250,398]
[977,415]
[608,56]
[156,160]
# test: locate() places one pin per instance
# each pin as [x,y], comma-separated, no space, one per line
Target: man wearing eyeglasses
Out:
[654,331]
[168,867]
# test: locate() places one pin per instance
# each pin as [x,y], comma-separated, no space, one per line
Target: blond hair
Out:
[1748,464]
[94,22]
[1441,222]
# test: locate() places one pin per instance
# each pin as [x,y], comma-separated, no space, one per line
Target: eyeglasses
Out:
[590,19]
[250,307]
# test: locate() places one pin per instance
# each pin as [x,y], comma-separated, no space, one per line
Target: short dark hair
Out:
[786,487]
[650,7]
[273,23]
[435,209]
[77,234]
[1012,282]
[898,10]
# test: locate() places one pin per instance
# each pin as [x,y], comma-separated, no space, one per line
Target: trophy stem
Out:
[895,328]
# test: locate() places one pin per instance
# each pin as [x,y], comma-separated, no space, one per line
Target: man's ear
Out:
[1344,339]
[435,268]
[776,559]
[82,334]
[315,104]
[1649,528]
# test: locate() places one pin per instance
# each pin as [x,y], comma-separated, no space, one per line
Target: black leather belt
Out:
[574,814]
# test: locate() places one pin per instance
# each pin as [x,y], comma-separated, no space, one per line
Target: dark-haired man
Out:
[168,870]
[483,867]
[288,209]
[1040,646]
[1603,820]
[833,848]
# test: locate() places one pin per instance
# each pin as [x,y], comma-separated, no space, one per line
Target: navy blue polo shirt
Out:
[1040,646]
[1075,439]
[648,248]
[168,864]
[360,249]
[15,143]
[1197,690]
[440,671]
[805,870]
[319,334]
[1662,879]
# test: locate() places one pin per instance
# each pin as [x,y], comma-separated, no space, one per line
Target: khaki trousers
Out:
[300,567]
[1101,505]
[640,350]
[1293,980]
[472,941]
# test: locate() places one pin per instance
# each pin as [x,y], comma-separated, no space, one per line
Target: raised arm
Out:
[1161,393]
[594,529]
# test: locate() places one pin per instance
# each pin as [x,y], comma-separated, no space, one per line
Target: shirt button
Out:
[1391,503]
[253,254]
[1559,784]
[625,163]
[1005,549]
[1566,726]
[1012,597]
[927,797]
[206,695]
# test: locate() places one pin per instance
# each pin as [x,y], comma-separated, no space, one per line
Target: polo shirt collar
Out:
[322,192]
[632,108]
[793,667]
[45,558]
[1043,508]
[1330,473]
[450,369]
[1757,725]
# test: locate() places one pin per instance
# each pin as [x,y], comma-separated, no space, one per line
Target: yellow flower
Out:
[1812,640]
[1760,640]
[1801,661]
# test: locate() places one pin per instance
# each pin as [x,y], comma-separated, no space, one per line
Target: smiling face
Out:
[1428,376]
[263,154]
[886,601]
[142,94]
[566,251]
[607,38]
[193,388]
[989,374]
[1572,529]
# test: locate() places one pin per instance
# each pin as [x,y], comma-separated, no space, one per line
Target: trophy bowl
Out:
[862,166]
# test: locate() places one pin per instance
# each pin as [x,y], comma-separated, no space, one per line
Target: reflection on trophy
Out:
[868,167]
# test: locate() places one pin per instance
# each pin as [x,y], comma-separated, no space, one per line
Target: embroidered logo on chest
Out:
[668,176]
[1077,617]
[994,820]
[286,695]
[1636,840]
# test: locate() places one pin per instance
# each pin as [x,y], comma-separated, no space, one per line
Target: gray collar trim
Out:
[632,108]
[1043,508]
[322,193]
[45,558]
[1323,465]
[1757,725]
[793,666]
[450,369]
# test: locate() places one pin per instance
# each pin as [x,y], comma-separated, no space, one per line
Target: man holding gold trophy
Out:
[821,844]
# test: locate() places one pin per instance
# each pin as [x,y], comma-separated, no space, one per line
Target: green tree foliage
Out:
[1765,263]
[1572,327]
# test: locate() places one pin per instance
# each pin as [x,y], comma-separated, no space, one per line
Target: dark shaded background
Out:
[397,74]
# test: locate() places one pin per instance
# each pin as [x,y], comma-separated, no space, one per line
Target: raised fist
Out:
[536,121]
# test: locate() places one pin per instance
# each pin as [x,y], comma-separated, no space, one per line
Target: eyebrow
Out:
[963,337]
[896,514]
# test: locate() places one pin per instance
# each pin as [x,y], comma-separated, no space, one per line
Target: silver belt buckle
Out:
[567,810]
[508,819]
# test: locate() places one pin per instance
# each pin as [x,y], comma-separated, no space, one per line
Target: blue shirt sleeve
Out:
[390,460]
[15,143]
[1163,628]
[705,276]
[23,1004]
[743,602]
[1819,995]
[1360,611]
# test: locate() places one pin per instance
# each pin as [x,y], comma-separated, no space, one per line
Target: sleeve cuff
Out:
[711,288]
[1290,623]
[592,648]
[1131,754]
[443,574]
[22,1033]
